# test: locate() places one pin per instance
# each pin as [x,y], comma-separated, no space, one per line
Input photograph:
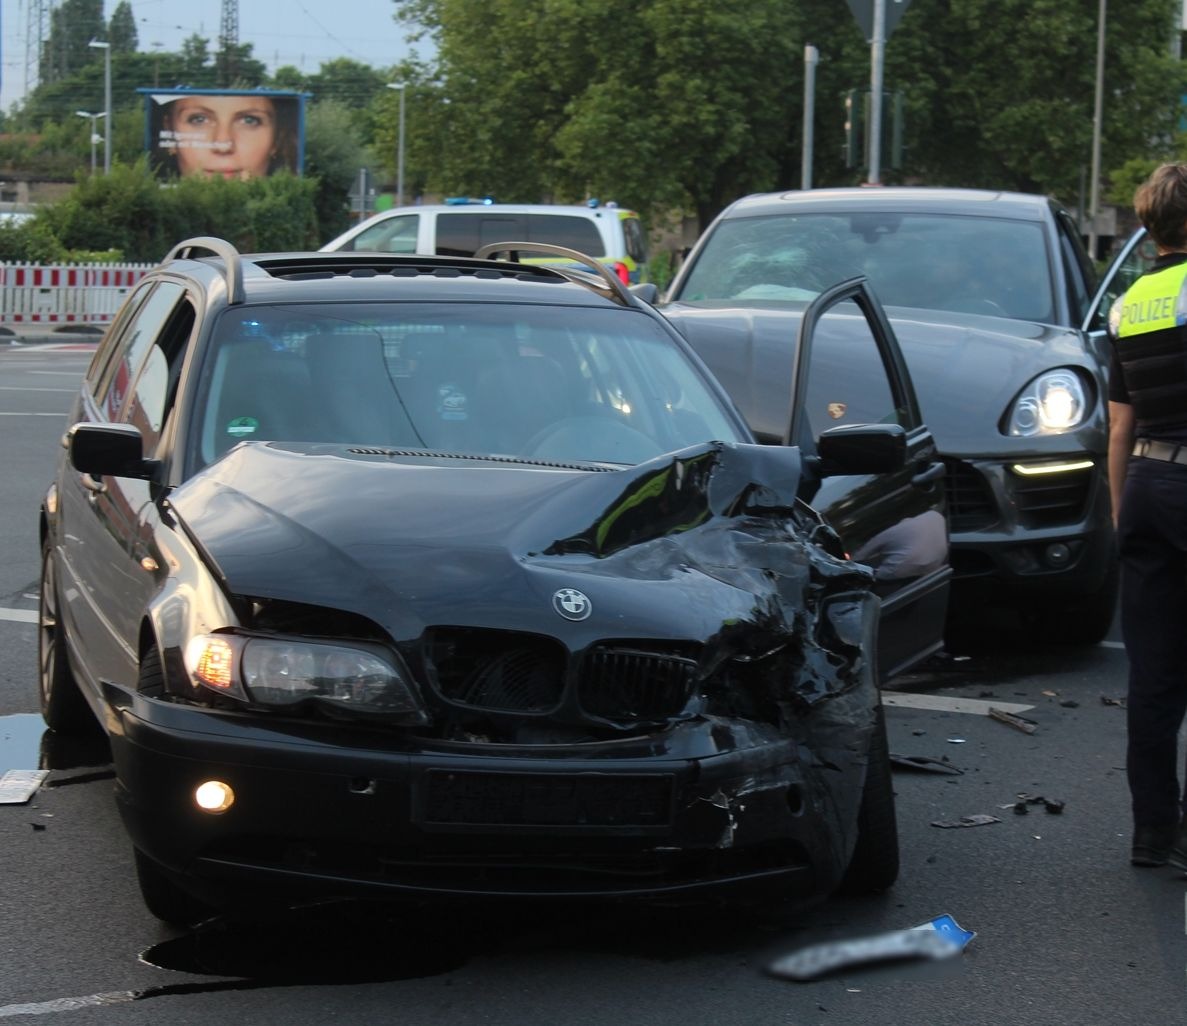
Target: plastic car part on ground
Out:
[938,938]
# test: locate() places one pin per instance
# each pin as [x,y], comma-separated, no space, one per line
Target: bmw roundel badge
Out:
[571,604]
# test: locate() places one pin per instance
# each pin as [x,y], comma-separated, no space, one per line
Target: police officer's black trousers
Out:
[1152,533]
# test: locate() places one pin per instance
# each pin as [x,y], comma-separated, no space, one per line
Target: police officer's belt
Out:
[1153,449]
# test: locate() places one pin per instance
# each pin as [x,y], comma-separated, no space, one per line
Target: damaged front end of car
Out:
[673,694]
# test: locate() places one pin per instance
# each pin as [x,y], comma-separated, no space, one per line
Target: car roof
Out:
[296,277]
[571,209]
[971,202]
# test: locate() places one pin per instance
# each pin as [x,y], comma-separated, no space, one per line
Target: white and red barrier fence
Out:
[59,294]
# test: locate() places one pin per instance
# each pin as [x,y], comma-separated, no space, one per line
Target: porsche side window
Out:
[149,321]
[847,380]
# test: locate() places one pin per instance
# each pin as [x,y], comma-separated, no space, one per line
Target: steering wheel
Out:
[591,439]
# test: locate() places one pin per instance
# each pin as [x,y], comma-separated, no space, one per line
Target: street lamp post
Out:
[99,44]
[400,146]
[94,135]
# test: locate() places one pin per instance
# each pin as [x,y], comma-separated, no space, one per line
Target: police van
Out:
[460,227]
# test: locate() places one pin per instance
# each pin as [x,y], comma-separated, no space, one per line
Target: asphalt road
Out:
[1066,931]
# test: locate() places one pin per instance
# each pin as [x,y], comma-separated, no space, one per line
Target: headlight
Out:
[1053,403]
[288,672]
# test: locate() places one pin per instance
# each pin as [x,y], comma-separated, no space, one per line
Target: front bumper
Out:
[1046,532]
[327,811]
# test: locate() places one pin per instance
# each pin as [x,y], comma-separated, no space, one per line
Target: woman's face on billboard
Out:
[223,136]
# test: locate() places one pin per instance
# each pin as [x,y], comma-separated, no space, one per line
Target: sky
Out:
[303,33]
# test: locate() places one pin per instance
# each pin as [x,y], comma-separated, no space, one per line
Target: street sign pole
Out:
[810,59]
[877,56]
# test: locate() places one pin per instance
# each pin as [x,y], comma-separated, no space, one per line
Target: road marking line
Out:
[946,703]
[19,615]
[68,1004]
[1111,644]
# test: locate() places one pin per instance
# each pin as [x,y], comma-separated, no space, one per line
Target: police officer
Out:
[1148,485]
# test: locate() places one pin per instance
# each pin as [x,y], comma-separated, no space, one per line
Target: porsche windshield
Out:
[550,383]
[928,261]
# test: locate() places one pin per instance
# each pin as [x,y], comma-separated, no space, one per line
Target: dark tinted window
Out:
[577,233]
[461,234]
[636,241]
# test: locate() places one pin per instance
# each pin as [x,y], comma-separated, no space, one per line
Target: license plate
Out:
[529,799]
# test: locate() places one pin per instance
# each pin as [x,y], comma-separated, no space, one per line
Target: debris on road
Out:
[1106,700]
[1017,722]
[925,762]
[18,786]
[980,819]
[941,937]
[1054,806]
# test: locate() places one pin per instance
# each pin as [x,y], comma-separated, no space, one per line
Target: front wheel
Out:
[63,706]
[875,863]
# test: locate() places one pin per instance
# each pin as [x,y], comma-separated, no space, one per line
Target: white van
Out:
[606,231]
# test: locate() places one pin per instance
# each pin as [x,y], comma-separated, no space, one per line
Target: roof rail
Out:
[617,291]
[232,264]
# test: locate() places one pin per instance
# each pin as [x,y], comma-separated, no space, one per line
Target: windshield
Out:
[562,384]
[928,261]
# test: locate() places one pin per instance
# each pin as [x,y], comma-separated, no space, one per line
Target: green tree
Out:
[697,103]
[73,24]
[333,156]
[121,31]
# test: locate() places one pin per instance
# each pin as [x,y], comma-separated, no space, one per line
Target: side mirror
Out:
[862,449]
[645,291]
[109,450]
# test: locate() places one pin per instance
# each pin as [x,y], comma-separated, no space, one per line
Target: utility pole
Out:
[811,58]
[1097,110]
[877,59]
[228,43]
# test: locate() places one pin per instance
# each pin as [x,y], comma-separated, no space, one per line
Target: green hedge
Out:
[129,215]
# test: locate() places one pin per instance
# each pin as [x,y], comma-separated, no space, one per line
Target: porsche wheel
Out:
[875,863]
[62,704]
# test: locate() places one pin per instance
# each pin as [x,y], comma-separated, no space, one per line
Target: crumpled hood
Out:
[967,369]
[410,541]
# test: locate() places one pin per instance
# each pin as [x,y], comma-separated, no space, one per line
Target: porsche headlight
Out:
[1051,404]
[279,672]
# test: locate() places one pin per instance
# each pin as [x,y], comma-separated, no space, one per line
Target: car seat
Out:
[354,397]
[259,393]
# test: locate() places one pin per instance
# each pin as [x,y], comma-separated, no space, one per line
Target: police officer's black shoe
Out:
[1152,845]
[1178,852]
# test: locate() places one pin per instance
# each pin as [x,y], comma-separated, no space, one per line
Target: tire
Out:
[874,866]
[165,899]
[63,706]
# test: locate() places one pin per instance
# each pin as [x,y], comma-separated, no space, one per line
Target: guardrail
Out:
[43,294]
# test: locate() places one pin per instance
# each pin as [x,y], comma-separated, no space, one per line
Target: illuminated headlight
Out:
[287,672]
[1050,405]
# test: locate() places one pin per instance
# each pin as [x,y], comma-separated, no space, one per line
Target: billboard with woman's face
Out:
[222,133]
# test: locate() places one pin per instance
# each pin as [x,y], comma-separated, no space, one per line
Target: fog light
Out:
[1057,554]
[214,796]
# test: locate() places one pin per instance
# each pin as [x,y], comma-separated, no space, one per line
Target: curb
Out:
[75,336]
